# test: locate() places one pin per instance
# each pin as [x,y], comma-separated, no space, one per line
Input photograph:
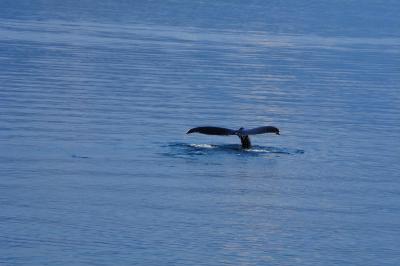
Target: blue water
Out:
[96,98]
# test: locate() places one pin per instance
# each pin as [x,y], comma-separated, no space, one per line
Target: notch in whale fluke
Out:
[242,133]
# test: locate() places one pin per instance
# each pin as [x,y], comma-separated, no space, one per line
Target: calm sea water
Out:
[96,97]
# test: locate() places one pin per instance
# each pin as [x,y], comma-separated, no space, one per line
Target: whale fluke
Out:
[212,131]
[242,133]
[260,130]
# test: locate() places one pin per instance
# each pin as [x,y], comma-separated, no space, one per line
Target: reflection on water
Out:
[96,98]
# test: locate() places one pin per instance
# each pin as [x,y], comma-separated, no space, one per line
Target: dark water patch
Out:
[76,156]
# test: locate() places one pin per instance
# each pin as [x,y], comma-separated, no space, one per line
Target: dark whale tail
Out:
[242,133]
[245,140]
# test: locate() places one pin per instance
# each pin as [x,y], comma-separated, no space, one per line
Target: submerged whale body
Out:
[242,133]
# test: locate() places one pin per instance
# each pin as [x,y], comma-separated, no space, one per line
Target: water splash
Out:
[205,146]
[185,150]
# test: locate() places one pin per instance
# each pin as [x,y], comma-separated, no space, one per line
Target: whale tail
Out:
[245,140]
[242,133]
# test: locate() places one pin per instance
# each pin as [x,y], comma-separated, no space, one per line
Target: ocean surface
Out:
[96,98]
